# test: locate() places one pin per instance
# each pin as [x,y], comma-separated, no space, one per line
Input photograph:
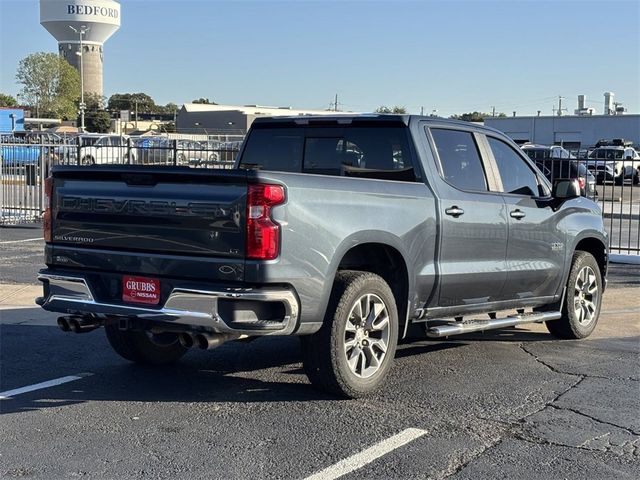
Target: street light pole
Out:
[83,30]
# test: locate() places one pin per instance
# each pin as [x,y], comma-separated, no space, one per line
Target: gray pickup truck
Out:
[346,231]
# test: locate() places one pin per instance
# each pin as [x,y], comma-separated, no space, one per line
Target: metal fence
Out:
[25,161]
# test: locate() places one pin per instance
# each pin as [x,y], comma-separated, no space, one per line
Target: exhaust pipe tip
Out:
[63,324]
[201,342]
[74,325]
[186,340]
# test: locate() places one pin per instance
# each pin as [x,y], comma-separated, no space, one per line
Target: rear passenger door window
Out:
[517,177]
[460,161]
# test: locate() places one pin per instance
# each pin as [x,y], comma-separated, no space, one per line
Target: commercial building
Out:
[206,118]
[581,130]
[572,132]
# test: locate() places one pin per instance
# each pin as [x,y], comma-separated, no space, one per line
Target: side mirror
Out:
[564,188]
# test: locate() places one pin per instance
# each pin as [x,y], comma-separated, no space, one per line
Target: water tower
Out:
[81,27]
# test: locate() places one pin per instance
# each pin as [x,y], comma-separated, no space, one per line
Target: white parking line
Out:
[361,459]
[21,241]
[39,386]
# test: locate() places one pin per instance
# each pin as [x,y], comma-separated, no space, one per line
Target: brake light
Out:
[582,183]
[46,217]
[263,234]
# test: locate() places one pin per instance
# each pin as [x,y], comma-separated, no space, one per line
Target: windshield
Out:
[606,153]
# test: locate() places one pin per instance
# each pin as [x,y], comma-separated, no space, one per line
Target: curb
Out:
[625,259]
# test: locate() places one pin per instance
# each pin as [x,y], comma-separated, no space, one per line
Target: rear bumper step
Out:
[492,324]
[184,306]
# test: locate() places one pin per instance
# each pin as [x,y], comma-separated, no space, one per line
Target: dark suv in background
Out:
[556,162]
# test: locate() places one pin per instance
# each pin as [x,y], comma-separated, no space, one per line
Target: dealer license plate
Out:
[141,290]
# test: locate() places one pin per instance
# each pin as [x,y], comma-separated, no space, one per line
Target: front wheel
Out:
[145,347]
[583,299]
[352,353]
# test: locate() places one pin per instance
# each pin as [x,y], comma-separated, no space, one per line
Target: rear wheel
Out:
[583,298]
[145,347]
[353,351]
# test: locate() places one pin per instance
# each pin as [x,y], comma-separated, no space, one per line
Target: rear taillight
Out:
[46,217]
[263,234]
[582,183]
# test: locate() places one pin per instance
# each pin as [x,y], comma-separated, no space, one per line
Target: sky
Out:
[449,56]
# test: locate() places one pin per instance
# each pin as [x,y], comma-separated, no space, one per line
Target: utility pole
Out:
[335,105]
[136,110]
[421,110]
[83,30]
[560,105]
[493,111]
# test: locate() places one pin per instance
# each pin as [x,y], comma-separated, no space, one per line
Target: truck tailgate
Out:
[174,211]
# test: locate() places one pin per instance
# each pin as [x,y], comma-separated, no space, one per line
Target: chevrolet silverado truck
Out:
[347,231]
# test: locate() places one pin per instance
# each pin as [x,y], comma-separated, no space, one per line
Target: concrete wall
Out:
[92,64]
[586,130]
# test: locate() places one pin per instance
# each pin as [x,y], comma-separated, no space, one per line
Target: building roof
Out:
[255,110]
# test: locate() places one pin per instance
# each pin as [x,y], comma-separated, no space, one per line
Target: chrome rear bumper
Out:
[184,306]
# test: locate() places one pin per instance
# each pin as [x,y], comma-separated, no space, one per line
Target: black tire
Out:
[636,177]
[325,352]
[574,324]
[142,347]
[88,160]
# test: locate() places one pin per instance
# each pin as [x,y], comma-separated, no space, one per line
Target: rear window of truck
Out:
[366,152]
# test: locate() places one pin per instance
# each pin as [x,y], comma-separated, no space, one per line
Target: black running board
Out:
[459,328]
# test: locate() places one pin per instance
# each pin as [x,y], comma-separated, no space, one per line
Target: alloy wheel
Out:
[366,335]
[586,296]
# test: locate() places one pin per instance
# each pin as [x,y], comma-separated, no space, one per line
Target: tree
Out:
[49,84]
[168,109]
[394,109]
[205,101]
[132,101]
[475,116]
[7,101]
[97,119]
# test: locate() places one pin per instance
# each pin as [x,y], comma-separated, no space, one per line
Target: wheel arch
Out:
[384,260]
[598,249]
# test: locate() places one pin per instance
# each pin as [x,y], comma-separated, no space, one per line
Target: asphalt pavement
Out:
[514,403]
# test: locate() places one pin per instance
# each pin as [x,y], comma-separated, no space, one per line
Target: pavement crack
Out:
[462,459]
[542,362]
[595,419]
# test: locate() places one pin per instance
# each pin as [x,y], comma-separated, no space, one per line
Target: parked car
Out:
[429,223]
[556,162]
[97,149]
[615,163]
[190,152]
[157,150]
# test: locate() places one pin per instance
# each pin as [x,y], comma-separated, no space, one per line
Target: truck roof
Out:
[363,119]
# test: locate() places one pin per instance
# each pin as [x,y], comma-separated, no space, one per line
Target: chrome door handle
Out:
[518,214]
[454,211]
